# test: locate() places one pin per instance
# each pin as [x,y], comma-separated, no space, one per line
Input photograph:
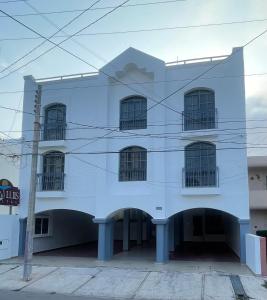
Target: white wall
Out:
[94,187]
[253,253]
[232,229]
[67,228]
[9,236]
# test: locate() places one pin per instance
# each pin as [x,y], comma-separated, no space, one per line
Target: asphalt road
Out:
[9,295]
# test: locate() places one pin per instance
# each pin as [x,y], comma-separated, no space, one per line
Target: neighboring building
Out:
[117,165]
[257,174]
[9,166]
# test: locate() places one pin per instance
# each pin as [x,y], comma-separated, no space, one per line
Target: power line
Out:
[96,8]
[144,30]
[135,83]
[148,151]
[88,126]
[45,40]
[12,1]
[58,45]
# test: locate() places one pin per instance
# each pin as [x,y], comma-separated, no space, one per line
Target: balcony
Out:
[200,181]
[50,185]
[53,135]
[132,175]
[54,132]
[200,123]
[258,199]
[133,124]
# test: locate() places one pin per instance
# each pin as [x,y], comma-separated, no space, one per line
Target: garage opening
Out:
[134,235]
[205,234]
[64,232]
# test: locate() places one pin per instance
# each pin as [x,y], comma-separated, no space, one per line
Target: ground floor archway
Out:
[205,234]
[134,235]
[63,232]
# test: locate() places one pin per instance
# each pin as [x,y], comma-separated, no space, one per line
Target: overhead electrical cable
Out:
[142,29]
[45,40]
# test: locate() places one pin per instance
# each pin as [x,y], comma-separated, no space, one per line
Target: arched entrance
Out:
[134,235]
[63,232]
[204,234]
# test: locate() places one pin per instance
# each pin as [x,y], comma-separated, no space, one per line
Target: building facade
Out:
[139,152]
[257,175]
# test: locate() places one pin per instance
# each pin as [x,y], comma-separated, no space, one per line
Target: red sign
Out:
[9,195]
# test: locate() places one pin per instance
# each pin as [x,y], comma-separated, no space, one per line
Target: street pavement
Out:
[9,295]
[106,282]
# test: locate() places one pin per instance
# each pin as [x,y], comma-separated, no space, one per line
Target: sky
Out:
[168,45]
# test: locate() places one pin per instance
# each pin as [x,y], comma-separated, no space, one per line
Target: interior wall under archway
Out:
[192,226]
[66,228]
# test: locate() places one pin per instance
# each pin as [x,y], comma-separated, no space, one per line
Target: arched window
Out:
[133,161]
[200,165]
[55,122]
[53,171]
[199,110]
[133,113]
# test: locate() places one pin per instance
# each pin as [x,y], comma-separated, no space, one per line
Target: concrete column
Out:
[162,242]
[126,230]
[244,228]
[105,238]
[22,236]
[171,234]
[139,227]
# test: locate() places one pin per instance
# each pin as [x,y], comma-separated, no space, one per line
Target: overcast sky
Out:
[166,44]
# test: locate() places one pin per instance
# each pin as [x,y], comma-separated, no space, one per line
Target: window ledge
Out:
[200,191]
[51,144]
[51,194]
[201,132]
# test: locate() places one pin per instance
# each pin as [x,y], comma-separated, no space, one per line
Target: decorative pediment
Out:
[133,61]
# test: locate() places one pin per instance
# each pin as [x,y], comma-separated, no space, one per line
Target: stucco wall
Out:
[67,228]
[93,187]
[9,236]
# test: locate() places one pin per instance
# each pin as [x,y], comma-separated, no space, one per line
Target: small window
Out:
[133,113]
[41,226]
[133,162]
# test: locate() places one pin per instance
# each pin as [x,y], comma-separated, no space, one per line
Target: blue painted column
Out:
[126,230]
[244,228]
[105,238]
[162,241]
[22,236]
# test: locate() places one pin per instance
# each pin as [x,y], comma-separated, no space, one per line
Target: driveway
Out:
[110,282]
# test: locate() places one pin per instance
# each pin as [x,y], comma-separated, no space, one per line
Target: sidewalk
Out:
[117,279]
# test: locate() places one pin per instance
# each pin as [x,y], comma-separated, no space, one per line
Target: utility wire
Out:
[47,39]
[143,29]
[56,82]
[96,8]
[57,45]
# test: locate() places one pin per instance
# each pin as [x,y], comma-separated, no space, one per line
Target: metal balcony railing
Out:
[197,120]
[132,175]
[50,181]
[200,177]
[54,132]
[133,124]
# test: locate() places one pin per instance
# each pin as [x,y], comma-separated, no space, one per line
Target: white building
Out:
[257,173]
[124,153]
